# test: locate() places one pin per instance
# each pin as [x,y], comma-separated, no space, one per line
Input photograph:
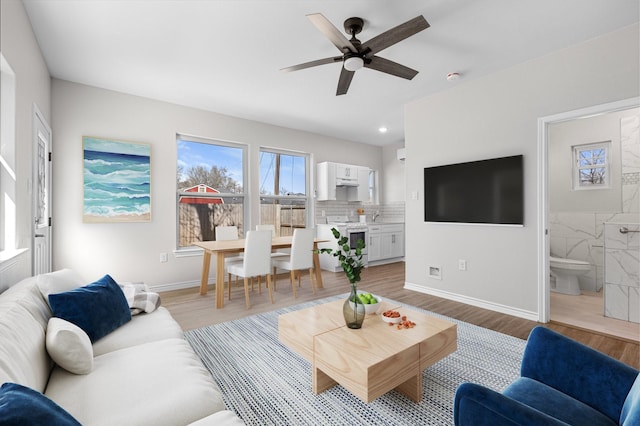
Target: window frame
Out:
[374,195]
[246,200]
[577,168]
[8,210]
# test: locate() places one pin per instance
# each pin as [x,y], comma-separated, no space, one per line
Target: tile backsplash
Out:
[393,212]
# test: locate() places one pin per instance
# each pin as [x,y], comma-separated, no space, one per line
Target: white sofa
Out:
[143,373]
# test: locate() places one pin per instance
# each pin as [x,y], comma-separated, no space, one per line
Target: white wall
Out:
[20,48]
[130,251]
[562,138]
[497,116]
[392,182]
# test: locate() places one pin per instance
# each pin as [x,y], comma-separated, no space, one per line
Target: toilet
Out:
[566,272]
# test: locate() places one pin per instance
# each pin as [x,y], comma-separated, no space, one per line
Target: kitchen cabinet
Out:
[343,182]
[363,184]
[386,241]
[344,171]
[374,249]
[326,177]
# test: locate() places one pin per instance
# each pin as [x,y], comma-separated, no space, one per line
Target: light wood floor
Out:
[586,312]
[193,311]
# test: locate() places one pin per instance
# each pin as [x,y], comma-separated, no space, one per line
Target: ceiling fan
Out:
[356,55]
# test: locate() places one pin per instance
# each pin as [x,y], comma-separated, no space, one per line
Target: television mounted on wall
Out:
[479,192]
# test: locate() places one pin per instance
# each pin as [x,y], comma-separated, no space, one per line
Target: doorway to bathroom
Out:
[591,163]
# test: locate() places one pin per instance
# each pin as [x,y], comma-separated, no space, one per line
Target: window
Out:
[373,186]
[284,190]
[8,212]
[210,185]
[591,166]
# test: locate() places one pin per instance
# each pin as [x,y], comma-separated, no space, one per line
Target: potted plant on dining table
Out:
[351,262]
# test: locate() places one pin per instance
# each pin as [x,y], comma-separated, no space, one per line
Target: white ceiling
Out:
[225,56]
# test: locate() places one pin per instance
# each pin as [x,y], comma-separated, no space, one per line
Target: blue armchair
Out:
[562,382]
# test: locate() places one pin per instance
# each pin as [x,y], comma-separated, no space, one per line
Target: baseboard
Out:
[176,286]
[158,288]
[385,261]
[496,307]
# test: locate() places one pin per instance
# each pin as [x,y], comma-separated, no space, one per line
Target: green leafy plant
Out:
[350,260]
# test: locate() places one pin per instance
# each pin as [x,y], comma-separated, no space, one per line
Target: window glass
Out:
[210,188]
[373,186]
[284,190]
[282,174]
[591,165]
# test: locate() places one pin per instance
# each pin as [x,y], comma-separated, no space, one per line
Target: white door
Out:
[41,194]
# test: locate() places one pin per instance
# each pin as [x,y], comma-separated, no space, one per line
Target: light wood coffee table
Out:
[372,360]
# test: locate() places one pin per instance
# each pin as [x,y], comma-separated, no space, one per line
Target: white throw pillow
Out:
[59,282]
[69,346]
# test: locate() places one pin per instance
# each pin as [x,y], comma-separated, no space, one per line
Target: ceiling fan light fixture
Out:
[353,63]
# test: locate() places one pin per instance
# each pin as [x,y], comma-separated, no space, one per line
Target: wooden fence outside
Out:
[198,221]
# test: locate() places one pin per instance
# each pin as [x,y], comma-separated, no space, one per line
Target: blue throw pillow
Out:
[98,308]
[20,405]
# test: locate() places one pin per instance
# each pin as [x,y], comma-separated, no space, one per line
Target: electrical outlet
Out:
[323,213]
[462,265]
[164,258]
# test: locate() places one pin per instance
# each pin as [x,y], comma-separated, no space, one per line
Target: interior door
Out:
[41,194]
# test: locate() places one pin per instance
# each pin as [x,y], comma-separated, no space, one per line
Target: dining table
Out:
[220,249]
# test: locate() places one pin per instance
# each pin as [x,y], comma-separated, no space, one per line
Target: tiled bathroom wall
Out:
[580,236]
[622,271]
[630,152]
[622,250]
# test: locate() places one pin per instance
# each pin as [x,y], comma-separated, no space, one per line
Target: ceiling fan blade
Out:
[384,65]
[332,33]
[312,64]
[395,35]
[344,82]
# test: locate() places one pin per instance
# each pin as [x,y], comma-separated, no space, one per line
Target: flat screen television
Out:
[487,191]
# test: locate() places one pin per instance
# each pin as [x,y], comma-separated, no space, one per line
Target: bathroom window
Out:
[591,166]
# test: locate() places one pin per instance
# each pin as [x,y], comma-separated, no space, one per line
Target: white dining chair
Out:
[301,258]
[272,228]
[278,254]
[267,227]
[256,261]
[227,233]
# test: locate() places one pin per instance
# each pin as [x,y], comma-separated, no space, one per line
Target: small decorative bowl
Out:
[372,308]
[392,320]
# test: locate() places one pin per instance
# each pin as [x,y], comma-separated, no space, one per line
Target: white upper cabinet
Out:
[346,172]
[342,182]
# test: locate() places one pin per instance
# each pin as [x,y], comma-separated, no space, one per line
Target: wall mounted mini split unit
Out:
[401,154]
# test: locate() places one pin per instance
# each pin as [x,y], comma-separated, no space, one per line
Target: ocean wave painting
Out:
[117,181]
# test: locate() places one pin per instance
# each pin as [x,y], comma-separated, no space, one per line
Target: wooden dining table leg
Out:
[316,265]
[220,280]
[204,279]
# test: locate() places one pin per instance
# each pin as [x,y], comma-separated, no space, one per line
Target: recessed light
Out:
[382,129]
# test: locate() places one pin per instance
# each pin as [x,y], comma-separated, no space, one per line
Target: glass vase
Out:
[353,309]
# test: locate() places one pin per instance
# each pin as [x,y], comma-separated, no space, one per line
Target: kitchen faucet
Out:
[375,215]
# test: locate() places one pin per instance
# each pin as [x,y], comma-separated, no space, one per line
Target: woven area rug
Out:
[266,383]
